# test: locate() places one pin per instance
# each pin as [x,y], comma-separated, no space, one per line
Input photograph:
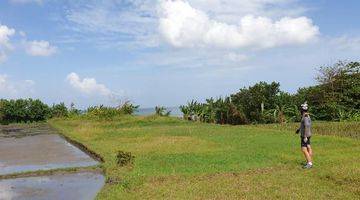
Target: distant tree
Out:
[161,111]
[73,110]
[255,99]
[335,97]
[128,108]
[338,92]
[38,111]
[23,110]
[59,110]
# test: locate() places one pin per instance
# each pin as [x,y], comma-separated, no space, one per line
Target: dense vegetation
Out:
[170,158]
[29,110]
[25,110]
[335,98]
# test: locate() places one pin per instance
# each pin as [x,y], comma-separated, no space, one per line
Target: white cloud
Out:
[135,22]
[34,48]
[15,89]
[235,57]
[5,33]
[27,1]
[230,11]
[5,45]
[184,26]
[40,48]
[87,86]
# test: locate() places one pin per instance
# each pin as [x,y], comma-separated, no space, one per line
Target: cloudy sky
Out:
[166,52]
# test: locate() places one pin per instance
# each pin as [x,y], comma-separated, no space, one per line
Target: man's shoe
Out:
[307,166]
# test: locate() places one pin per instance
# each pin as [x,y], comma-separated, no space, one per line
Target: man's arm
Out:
[307,125]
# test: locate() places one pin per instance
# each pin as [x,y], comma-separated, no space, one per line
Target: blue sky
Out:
[163,52]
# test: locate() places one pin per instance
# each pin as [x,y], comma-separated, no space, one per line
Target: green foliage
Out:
[255,99]
[124,158]
[59,110]
[161,111]
[74,111]
[221,111]
[29,110]
[23,110]
[128,108]
[104,112]
[335,98]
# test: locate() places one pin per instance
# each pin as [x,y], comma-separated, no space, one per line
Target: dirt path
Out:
[30,148]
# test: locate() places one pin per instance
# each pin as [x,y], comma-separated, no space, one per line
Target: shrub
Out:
[161,111]
[59,110]
[128,108]
[38,111]
[23,110]
[124,158]
[73,112]
[103,112]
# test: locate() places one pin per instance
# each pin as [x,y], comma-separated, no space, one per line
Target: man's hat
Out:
[304,106]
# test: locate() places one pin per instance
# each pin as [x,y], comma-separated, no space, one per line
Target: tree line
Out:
[336,97]
[30,110]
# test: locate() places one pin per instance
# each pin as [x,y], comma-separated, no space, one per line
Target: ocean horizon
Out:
[175,111]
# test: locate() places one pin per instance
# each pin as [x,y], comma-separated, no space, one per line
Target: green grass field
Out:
[175,159]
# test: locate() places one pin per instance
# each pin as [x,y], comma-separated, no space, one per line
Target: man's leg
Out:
[310,151]
[306,154]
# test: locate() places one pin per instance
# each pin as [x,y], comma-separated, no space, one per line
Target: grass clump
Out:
[124,158]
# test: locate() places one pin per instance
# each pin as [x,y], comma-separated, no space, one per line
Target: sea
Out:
[175,111]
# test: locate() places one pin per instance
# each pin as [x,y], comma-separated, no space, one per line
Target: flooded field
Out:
[40,152]
[80,186]
[29,148]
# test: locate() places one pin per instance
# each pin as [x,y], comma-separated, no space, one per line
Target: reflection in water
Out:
[40,152]
[81,186]
[5,193]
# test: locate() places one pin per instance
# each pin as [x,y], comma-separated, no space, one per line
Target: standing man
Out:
[305,135]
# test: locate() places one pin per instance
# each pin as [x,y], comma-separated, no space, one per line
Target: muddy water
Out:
[81,186]
[40,152]
[29,148]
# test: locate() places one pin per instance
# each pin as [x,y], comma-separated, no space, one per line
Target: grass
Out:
[175,159]
[342,129]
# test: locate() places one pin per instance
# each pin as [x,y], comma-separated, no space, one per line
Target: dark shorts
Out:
[305,144]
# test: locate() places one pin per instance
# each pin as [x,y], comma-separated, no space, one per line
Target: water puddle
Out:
[80,186]
[40,152]
[28,148]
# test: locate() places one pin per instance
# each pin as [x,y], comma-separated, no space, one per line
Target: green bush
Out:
[29,110]
[59,110]
[23,110]
[128,108]
[102,112]
[161,111]
[124,158]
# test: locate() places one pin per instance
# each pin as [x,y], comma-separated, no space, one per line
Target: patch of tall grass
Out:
[343,129]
